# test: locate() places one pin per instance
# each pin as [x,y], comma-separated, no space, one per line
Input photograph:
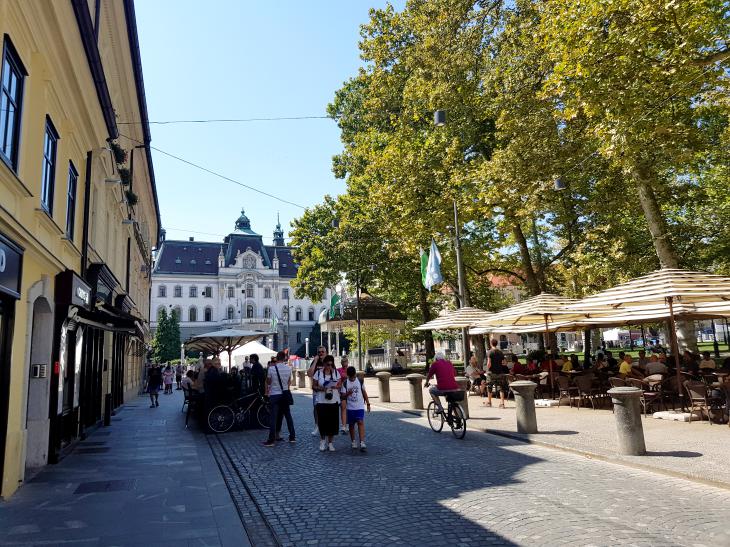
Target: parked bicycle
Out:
[222,417]
[453,415]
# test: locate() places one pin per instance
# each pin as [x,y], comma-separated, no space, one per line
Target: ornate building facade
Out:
[239,283]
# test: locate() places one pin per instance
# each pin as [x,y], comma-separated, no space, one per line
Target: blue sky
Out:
[245,59]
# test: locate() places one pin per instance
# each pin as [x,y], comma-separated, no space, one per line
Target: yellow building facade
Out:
[78,220]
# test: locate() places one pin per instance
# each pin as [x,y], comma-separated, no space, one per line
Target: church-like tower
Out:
[278,233]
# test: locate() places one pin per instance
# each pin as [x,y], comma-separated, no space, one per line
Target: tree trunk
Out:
[533,286]
[665,251]
[479,347]
[426,316]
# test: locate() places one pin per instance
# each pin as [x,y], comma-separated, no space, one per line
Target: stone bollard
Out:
[524,391]
[383,386]
[464,404]
[302,378]
[627,409]
[416,390]
[361,376]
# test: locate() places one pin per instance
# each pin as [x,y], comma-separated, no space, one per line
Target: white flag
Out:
[433,269]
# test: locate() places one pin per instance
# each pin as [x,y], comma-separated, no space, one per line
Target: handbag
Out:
[288,397]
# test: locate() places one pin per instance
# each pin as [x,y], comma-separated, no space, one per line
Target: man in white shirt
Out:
[655,366]
[278,381]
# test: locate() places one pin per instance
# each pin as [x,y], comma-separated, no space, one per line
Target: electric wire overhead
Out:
[231,120]
[214,173]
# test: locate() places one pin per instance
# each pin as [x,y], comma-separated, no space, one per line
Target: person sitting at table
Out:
[517,367]
[567,365]
[627,370]
[600,364]
[533,367]
[575,362]
[642,360]
[725,365]
[707,362]
[655,366]
[690,363]
[611,362]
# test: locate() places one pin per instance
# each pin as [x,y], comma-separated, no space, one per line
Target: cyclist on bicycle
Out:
[445,375]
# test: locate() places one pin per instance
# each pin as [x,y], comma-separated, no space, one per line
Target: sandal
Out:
[487,404]
[502,405]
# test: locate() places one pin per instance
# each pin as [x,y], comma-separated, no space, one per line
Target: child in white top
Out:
[357,398]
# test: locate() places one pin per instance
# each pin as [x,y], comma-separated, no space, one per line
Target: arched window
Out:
[249,291]
[178,291]
[162,291]
[249,311]
[311,314]
[267,312]
[193,314]
[231,292]
[298,314]
[193,291]
[267,292]
[229,313]
[177,312]
[208,314]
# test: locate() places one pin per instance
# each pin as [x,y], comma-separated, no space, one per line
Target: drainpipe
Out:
[87,205]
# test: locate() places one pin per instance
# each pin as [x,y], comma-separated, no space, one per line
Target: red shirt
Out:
[445,375]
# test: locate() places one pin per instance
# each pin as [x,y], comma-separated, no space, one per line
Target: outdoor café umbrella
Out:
[460,318]
[662,295]
[223,340]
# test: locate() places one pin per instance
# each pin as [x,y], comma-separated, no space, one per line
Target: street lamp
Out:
[439,120]
[306,348]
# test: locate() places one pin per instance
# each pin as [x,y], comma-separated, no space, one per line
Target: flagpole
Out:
[463,297]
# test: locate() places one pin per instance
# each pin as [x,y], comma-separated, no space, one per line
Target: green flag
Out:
[274,322]
[333,305]
[424,266]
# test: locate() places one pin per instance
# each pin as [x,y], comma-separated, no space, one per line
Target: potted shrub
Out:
[126,176]
[132,198]
[120,154]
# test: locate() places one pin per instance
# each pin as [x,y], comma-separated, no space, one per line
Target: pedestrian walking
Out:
[167,376]
[327,384]
[154,382]
[316,365]
[343,405]
[353,391]
[278,381]
[178,375]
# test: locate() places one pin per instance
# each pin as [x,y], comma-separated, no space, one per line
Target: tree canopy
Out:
[624,102]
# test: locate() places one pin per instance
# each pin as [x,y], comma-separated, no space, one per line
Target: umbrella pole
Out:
[547,353]
[675,345]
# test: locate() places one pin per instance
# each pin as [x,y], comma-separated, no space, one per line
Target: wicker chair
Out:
[648,397]
[700,398]
[565,389]
[584,385]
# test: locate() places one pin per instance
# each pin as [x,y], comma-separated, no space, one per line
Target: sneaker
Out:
[157,403]
[278,439]
[269,444]
[322,445]
[354,445]
[343,431]
[152,405]
[363,446]
[331,447]
[292,441]
[315,432]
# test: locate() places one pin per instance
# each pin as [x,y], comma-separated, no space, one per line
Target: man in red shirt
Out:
[445,375]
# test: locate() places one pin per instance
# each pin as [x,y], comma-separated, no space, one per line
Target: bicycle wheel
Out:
[221,418]
[435,417]
[263,415]
[457,422]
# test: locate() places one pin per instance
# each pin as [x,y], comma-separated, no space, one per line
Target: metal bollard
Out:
[524,391]
[627,409]
[464,404]
[415,380]
[383,385]
[301,377]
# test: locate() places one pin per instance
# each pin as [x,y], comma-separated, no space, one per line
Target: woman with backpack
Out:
[326,383]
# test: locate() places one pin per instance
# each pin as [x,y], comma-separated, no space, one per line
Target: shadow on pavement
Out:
[411,487]
[676,454]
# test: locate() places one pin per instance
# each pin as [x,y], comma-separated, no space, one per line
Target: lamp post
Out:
[306,348]
[439,120]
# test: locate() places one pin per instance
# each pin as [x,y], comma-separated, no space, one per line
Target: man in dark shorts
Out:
[496,372]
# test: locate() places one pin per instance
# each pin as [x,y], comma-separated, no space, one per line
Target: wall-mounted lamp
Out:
[439,118]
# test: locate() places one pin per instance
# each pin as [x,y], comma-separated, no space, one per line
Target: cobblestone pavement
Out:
[416,487]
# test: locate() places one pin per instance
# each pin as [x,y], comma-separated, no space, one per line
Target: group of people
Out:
[339,400]
[159,377]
